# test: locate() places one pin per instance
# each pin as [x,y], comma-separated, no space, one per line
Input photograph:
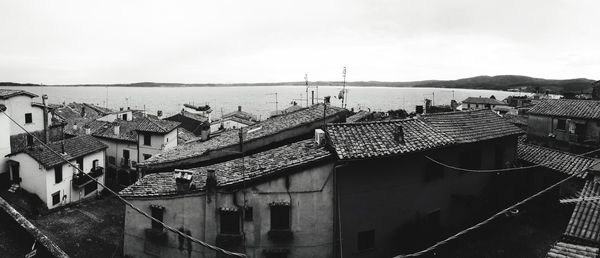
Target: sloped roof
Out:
[359,116]
[127,130]
[561,161]
[486,101]
[9,93]
[73,147]
[156,125]
[568,250]
[267,127]
[472,126]
[574,108]
[257,166]
[585,220]
[516,119]
[375,139]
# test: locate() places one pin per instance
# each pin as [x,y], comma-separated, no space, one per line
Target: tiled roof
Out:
[235,119]
[585,220]
[191,115]
[472,126]
[126,130]
[359,116]
[565,162]
[257,166]
[516,119]
[487,101]
[575,108]
[183,135]
[265,128]
[375,139]
[8,93]
[74,147]
[156,125]
[567,250]
[94,126]
[240,114]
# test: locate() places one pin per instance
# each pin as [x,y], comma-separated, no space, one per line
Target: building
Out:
[44,173]
[472,103]
[392,198]
[263,135]
[276,203]
[233,120]
[192,122]
[565,123]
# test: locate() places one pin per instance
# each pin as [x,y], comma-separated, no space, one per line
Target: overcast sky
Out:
[122,41]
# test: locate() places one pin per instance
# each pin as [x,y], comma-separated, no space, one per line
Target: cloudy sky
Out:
[116,41]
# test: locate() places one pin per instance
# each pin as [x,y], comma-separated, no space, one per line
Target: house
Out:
[191,122]
[204,111]
[565,123]
[392,198]
[275,203]
[40,171]
[263,135]
[481,103]
[233,120]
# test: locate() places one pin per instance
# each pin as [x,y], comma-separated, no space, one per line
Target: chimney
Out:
[44,98]
[204,131]
[120,109]
[88,130]
[75,126]
[211,179]
[128,108]
[159,113]
[398,134]
[319,136]
[183,180]
[116,128]
[239,108]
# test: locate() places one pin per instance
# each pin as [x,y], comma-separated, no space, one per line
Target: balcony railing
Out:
[80,179]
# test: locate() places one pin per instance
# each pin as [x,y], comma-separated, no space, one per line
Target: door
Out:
[126,158]
[16,176]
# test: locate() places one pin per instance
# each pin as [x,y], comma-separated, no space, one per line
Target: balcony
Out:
[156,235]
[80,179]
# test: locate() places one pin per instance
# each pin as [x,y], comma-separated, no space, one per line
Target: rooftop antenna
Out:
[306,82]
[276,102]
[344,92]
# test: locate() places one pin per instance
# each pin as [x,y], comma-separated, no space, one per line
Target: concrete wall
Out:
[311,193]
[158,142]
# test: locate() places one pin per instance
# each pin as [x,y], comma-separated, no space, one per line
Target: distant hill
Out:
[500,82]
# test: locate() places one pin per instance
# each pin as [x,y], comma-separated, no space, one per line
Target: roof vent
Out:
[398,134]
[183,180]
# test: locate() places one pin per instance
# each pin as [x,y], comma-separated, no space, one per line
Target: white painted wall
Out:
[115,149]
[158,142]
[33,175]
[117,115]
[4,142]
[227,124]
[17,107]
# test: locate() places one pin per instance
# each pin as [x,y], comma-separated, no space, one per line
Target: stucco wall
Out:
[158,142]
[115,149]
[4,142]
[17,107]
[32,174]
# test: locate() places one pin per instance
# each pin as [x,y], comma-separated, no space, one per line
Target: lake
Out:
[259,100]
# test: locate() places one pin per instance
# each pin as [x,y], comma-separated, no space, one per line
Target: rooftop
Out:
[359,116]
[265,128]
[486,101]
[575,108]
[567,250]
[472,126]
[127,130]
[564,162]
[257,166]
[156,125]
[375,139]
[8,93]
[73,147]
[516,119]
[584,223]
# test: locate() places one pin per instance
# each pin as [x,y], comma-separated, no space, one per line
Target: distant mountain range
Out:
[500,82]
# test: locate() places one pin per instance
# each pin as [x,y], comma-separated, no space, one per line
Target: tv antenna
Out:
[344,91]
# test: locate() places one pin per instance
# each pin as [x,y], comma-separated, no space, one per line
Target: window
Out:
[157,213]
[432,171]
[90,188]
[147,139]
[29,140]
[95,164]
[124,117]
[230,222]
[80,163]
[28,118]
[147,156]
[561,124]
[280,217]
[365,240]
[56,198]
[58,174]
[248,214]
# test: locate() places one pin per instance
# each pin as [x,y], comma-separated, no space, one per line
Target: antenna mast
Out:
[344,92]
[306,82]
[276,102]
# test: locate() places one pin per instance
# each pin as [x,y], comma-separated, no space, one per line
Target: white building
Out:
[42,172]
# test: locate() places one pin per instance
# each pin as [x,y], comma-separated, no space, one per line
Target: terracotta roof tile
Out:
[565,162]
[9,93]
[567,250]
[585,220]
[575,108]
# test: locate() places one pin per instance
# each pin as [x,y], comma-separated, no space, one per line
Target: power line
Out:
[478,225]
[503,169]
[209,246]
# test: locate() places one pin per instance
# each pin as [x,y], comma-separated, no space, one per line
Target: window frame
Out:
[229,222]
[158,213]
[28,118]
[281,217]
[147,139]
[559,122]
[58,170]
[57,200]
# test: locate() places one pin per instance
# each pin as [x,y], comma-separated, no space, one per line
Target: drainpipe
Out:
[44,98]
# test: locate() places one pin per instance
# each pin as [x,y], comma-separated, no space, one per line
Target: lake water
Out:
[254,99]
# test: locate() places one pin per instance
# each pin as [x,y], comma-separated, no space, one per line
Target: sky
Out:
[224,41]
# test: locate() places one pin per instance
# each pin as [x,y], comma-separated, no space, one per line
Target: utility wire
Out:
[504,169]
[478,225]
[209,246]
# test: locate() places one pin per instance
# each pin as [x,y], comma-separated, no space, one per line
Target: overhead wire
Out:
[204,244]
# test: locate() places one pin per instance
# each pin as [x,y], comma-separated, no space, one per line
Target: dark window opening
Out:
[157,213]
[147,156]
[90,188]
[95,164]
[248,214]
[29,140]
[124,117]
[58,175]
[147,139]
[561,124]
[56,198]
[280,217]
[230,222]
[365,240]
[433,171]
[80,163]
[28,118]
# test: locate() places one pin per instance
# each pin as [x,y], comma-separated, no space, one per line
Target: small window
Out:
[80,163]
[56,198]
[28,118]
[124,117]
[365,240]
[95,164]
[561,124]
[147,156]
[147,139]
[29,140]
[248,214]
[90,188]
[280,217]
[157,213]
[58,175]
[230,222]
